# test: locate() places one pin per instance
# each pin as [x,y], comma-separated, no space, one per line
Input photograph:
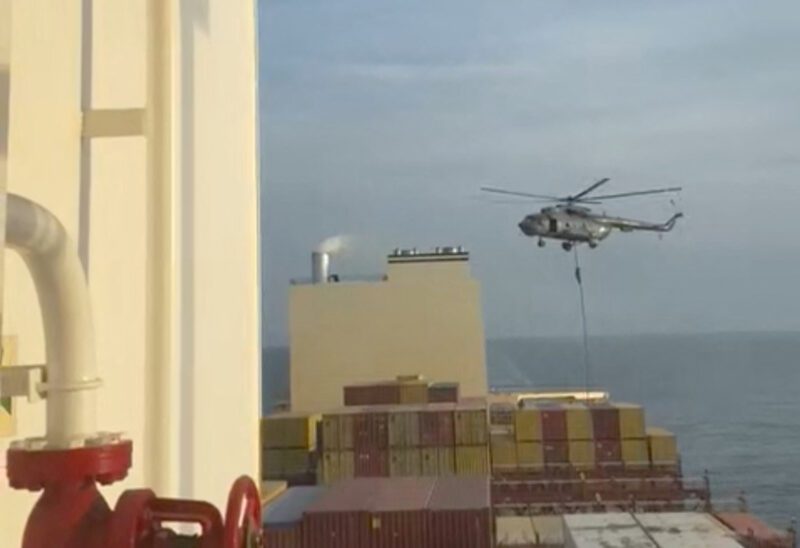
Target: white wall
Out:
[212,270]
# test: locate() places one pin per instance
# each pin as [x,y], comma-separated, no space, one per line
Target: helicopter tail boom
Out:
[629,225]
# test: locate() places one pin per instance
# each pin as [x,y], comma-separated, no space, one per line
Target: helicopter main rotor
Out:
[581,197]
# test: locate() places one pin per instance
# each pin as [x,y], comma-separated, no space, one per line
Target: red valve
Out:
[243,516]
[139,515]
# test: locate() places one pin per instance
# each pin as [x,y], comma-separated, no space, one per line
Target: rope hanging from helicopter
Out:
[584,326]
[572,222]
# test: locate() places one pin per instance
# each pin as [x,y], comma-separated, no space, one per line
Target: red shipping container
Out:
[372,394]
[460,514]
[605,421]
[335,529]
[443,392]
[284,537]
[370,431]
[283,516]
[607,451]
[556,453]
[371,463]
[354,395]
[367,513]
[437,427]
[753,532]
[554,423]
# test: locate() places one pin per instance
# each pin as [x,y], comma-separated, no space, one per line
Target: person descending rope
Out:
[586,361]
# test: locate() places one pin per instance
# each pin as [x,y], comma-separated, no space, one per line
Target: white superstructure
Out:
[136,124]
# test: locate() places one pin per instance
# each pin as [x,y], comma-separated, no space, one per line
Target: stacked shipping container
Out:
[436,439]
[396,512]
[288,447]
[553,439]
[402,391]
[569,452]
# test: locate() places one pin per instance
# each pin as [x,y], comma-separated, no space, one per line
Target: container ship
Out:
[391,436]
[130,371]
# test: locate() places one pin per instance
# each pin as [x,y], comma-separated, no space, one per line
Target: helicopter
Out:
[571,222]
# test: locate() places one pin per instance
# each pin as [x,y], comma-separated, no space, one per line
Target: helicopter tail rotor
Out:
[670,224]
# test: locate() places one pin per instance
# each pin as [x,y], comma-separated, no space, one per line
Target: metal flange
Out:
[35,469]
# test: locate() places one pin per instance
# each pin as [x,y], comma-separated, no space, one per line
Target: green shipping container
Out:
[437,461]
[447,461]
[279,464]
[330,432]
[272,464]
[429,461]
[345,432]
[289,430]
[405,462]
[336,466]
[404,428]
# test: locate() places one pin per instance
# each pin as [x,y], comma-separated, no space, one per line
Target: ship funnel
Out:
[320,266]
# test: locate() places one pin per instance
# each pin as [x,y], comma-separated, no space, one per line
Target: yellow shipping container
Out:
[662,445]
[579,422]
[530,455]
[405,462]
[472,427]
[447,461]
[289,430]
[413,392]
[631,421]
[404,429]
[472,460]
[581,454]
[528,425]
[503,452]
[634,452]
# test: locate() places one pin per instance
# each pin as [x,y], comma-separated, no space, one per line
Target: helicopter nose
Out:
[526,227]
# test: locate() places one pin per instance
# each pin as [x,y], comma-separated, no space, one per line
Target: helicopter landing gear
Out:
[592,244]
[566,246]
[540,243]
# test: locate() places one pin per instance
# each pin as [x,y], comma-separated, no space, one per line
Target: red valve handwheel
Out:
[131,522]
[243,516]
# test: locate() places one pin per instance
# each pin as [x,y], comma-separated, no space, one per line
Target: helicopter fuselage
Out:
[563,224]
[575,224]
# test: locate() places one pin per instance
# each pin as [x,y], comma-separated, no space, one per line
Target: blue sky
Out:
[382,119]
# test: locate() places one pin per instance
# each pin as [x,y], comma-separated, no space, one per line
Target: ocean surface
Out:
[733,399]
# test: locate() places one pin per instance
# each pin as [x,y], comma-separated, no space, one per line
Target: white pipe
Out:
[41,240]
